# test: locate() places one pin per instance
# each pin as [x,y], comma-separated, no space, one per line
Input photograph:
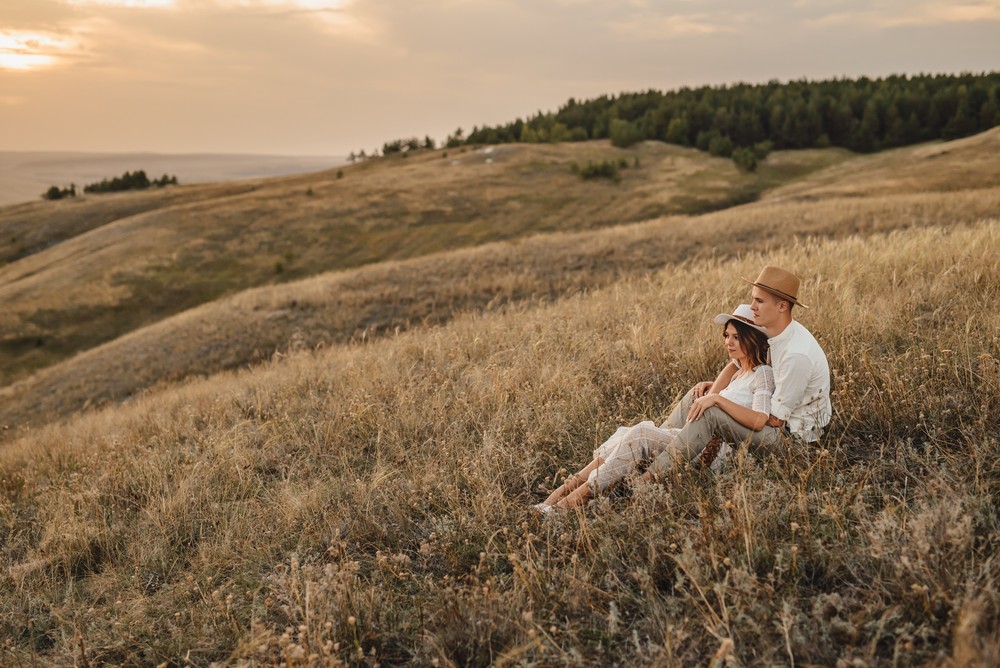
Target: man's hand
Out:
[701,389]
[774,422]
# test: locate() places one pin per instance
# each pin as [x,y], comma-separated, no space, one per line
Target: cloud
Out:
[140,4]
[897,13]
[675,25]
[22,50]
[319,76]
[936,13]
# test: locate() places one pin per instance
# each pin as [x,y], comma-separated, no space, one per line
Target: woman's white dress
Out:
[629,447]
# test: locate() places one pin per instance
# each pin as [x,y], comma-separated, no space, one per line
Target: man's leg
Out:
[678,418]
[694,436]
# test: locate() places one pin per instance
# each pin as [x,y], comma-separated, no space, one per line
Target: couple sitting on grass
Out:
[769,407]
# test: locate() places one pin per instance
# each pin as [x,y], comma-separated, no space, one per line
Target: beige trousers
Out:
[694,436]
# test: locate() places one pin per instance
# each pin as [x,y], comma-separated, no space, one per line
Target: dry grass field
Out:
[366,501]
[391,296]
[86,271]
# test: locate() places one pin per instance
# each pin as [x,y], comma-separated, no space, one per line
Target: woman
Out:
[743,389]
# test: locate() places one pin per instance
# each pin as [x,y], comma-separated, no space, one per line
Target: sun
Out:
[30,51]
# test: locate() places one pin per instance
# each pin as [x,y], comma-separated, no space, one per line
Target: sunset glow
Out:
[324,77]
[125,3]
[29,51]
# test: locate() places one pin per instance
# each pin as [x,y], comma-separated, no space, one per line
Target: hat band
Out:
[742,319]
[780,293]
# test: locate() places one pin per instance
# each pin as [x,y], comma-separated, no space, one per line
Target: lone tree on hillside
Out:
[55,192]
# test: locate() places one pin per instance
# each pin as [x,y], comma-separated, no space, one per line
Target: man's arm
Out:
[790,383]
[714,387]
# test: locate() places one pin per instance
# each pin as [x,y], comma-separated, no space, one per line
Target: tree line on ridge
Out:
[747,121]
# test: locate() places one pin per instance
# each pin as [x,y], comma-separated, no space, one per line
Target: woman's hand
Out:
[701,405]
[701,389]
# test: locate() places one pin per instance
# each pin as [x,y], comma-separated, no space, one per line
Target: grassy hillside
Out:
[957,187]
[129,260]
[368,503]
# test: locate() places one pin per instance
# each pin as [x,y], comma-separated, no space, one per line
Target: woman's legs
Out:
[577,497]
[638,445]
[573,482]
[616,459]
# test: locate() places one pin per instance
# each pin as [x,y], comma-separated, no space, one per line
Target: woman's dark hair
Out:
[754,341]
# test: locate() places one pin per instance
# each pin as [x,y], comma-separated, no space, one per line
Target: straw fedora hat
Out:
[780,283]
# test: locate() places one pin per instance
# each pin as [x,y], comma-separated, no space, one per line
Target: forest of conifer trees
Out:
[862,115]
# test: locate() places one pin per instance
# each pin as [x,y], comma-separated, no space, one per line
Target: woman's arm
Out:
[747,417]
[723,379]
[755,417]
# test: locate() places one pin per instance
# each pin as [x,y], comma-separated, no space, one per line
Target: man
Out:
[800,406]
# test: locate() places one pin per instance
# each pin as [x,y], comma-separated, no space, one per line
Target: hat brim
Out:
[777,293]
[723,318]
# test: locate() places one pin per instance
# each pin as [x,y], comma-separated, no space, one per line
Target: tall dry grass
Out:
[87,321]
[73,275]
[368,503]
[340,307]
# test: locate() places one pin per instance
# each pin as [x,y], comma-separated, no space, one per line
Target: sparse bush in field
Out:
[606,169]
[745,159]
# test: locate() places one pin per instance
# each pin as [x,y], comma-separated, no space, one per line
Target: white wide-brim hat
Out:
[743,313]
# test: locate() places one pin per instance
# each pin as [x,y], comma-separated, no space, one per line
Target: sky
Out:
[325,77]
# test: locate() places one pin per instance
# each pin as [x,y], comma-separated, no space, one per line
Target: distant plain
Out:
[25,175]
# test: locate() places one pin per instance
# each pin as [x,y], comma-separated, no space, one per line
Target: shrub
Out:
[745,159]
[763,148]
[605,169]
[55,192]
[623,134]
[721,146]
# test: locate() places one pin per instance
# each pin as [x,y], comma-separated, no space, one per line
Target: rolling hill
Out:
[83,272]
[813,193]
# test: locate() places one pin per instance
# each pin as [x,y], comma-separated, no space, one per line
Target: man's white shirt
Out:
[802,382]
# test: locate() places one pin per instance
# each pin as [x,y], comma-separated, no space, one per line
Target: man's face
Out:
[765,307]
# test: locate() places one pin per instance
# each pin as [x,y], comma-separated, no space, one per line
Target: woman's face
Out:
[734,346]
